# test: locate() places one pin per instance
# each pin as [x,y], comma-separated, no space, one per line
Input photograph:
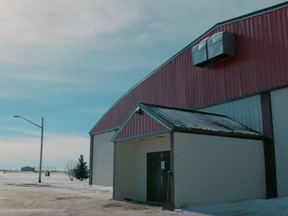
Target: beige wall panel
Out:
[103,153]
[130,166]
[211,169]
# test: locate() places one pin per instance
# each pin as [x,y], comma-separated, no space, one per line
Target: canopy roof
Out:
[168,119]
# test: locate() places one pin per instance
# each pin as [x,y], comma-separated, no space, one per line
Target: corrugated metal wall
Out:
[140,125]
[246,111]
[261,63]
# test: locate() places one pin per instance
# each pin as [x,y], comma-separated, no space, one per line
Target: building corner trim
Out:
[91,159]
[269,146]
[171,204]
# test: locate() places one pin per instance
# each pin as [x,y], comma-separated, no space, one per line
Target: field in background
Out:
[56,179]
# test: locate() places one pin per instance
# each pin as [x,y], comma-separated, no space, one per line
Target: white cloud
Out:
[56,45]
[48,30]
[37,27]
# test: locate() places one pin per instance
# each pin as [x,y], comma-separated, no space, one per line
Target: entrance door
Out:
[158,168]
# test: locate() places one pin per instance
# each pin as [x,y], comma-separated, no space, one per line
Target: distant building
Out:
[28,169]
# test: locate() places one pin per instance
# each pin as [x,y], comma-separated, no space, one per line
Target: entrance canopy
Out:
[150,120]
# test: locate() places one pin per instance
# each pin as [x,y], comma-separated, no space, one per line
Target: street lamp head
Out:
[16,116]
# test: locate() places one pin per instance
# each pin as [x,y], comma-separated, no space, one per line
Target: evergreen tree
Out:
[81,171]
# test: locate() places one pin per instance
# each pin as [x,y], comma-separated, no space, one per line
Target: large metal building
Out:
[238,68]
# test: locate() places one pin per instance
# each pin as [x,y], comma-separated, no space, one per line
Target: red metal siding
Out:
[261,63]
[140,125]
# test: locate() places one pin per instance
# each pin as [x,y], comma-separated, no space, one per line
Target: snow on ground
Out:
[56,179]
[261,207]
[22,195]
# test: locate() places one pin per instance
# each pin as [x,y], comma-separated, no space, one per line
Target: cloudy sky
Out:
[69,61]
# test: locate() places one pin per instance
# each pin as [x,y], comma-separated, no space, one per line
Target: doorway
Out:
[158,176]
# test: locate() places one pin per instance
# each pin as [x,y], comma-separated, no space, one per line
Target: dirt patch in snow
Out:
[21,195]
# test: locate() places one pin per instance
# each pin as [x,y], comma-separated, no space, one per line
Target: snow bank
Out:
[261,207]
[56,179]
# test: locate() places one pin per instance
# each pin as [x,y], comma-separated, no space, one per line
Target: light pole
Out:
[41,148]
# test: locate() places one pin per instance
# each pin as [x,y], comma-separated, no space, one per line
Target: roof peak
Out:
[180,120]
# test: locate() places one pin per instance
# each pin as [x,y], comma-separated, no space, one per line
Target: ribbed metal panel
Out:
[180,120]
[261,64]
[246,111]
[140,125]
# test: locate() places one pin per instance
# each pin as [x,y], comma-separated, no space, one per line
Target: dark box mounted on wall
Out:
[199,54]
[214,49]
[221,45]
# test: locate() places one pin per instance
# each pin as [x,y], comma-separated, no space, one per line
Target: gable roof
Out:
[180,120]
[246,74]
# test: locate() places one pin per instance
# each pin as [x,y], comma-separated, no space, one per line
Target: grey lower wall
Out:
[279,103]
[103,153]
[211,169]
[246,111]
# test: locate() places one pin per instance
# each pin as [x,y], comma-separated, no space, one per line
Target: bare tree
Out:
[70,166]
